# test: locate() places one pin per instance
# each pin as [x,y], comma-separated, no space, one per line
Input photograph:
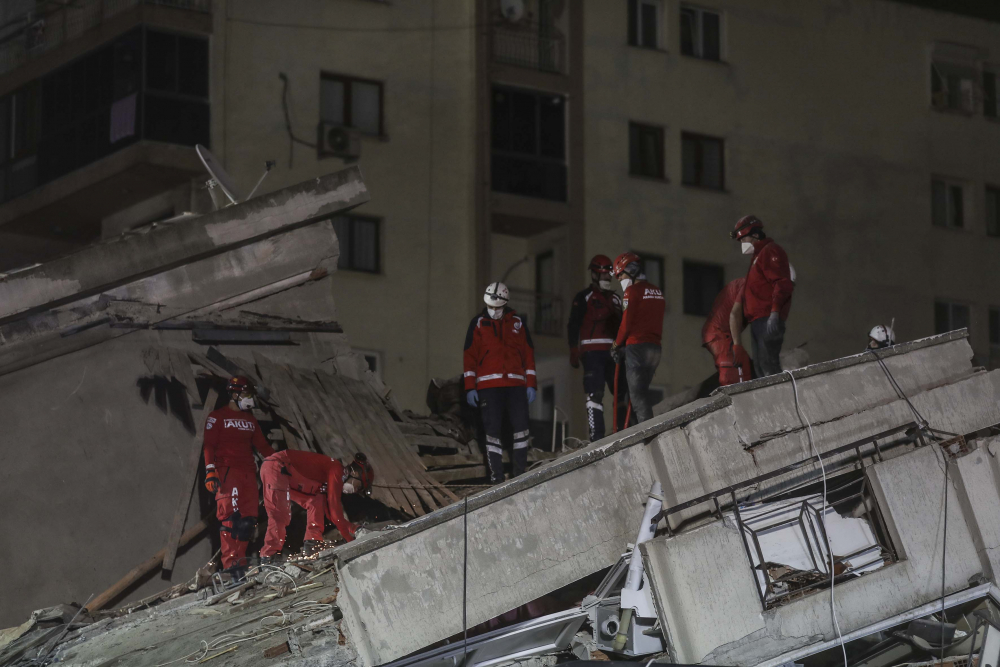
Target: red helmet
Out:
[239,384]
[627,262]
[745,225]
[600,264]
[361,470]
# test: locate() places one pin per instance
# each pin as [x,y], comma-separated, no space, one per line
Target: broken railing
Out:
[778,585]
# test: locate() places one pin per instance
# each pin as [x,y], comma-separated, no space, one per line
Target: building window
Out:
[947,203]
[176,90]
[359,243]
[529,143]
[644,19]
[953,86]
[995,327]
[992,211]
[547,313]
[702,160]
[990,108]
[652,266]
[351,102]
[950,316]
[702,283]
[645,151]
[701,33]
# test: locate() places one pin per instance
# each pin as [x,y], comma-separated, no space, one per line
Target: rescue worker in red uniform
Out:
[638,342]
[721,335]
[500,380]
[314,482]
[231,435]
[767,295]
[593,325]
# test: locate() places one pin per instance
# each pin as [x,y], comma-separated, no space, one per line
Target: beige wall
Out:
[830,139]
[420,175]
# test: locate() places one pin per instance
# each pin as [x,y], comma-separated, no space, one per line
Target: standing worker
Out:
[593,323]
[767,296]
[316,483]
[231,435]
[721,335]
[500,377]
[639,335]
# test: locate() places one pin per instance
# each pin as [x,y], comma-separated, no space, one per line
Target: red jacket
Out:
[314,473]
[499,353]
[769,283]
[643,306]
[717,324]
[594,319]
[230,435]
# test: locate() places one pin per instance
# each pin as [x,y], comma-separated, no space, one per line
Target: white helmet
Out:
[496,295]
[882,336]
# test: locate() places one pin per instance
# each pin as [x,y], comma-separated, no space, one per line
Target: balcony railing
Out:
[529,46]
[42,32]
[544,311]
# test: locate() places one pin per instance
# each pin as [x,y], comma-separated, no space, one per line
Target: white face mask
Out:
[245,403]
[495,313]
[746,247]
[348,487]
[625,282]
[604,284]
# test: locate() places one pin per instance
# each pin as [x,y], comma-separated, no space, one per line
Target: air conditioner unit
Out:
[338,141]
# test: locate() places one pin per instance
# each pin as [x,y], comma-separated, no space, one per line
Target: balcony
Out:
[55,24]
[531,45]
[544,311]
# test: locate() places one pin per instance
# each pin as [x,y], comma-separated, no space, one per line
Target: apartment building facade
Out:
[514,139]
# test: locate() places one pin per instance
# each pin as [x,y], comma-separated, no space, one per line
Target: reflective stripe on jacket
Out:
[498,353]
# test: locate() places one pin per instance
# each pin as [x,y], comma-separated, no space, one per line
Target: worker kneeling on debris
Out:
[314,482]
[231,435]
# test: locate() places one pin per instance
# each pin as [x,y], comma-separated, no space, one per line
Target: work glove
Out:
[574,357]
[472,398]
[772,324]
[531,395]
[617,353]
[211,479]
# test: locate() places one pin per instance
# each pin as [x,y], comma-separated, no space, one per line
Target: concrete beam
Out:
[112,264]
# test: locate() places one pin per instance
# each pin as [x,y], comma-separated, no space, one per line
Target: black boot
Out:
[310,547]
[520,461]
[495,460]
[276,559]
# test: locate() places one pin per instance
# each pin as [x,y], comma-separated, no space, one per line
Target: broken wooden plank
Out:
[434,441]
[143,568]
[191,475]
[456,474]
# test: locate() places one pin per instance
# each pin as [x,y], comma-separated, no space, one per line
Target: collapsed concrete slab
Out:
[559,523]
[100,436]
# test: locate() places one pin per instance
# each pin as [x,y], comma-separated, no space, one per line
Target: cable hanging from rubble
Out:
[829,544]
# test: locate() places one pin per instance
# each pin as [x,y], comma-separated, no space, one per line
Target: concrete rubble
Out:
[126,340]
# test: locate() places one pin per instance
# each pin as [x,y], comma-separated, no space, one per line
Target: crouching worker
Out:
[314,482]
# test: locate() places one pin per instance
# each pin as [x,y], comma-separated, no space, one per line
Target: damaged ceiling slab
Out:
[571,517]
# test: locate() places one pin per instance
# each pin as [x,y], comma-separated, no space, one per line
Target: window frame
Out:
[644,256]
[346,246]
[992,230]
[693,264]
[634,33]
[990,102]
[942,79]
[347,81]
[722,161]
[538,156]
[949,186]
[661,141]
[993,326]
[698,44]
[951,306]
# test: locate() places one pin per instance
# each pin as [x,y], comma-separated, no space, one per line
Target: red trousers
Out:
[278,496]
[235,504]
[732,367]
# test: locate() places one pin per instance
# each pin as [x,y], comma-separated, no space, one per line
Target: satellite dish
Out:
[512,10]
[220,176]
